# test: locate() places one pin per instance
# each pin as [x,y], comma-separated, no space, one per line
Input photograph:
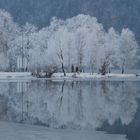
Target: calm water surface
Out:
[111,106]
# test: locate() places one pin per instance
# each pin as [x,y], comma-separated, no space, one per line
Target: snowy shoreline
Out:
[69,76]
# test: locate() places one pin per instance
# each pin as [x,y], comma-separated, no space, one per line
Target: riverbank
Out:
[69,76]
[94,75]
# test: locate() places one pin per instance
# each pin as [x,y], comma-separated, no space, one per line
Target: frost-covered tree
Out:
[128,49]
[79,42]
[80,48]
[110,45]
[59,44]
[8,31]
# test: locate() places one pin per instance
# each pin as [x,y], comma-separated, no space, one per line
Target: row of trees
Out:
[79,43]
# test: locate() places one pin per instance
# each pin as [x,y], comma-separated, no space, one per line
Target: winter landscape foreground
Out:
[13,131]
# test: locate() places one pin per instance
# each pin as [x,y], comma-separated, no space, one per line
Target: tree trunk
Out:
[92,69]
[109,70]
[72,68]
[123,65]
[63,69]
[122,69]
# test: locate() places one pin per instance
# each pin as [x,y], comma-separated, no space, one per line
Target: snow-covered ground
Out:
[14,74]
[13,131]
[85,76]
[60,76]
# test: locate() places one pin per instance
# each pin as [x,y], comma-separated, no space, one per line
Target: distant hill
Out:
[116,13]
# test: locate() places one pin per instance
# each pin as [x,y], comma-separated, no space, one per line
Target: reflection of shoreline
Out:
[69,104]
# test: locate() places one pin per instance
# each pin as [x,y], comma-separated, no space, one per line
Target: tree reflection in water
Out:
[73,104]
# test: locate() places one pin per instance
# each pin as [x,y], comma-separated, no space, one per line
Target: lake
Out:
[110,106]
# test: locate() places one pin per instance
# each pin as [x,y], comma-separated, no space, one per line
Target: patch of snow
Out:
[15,75]
[121,75]
[13,131]
[94,76]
